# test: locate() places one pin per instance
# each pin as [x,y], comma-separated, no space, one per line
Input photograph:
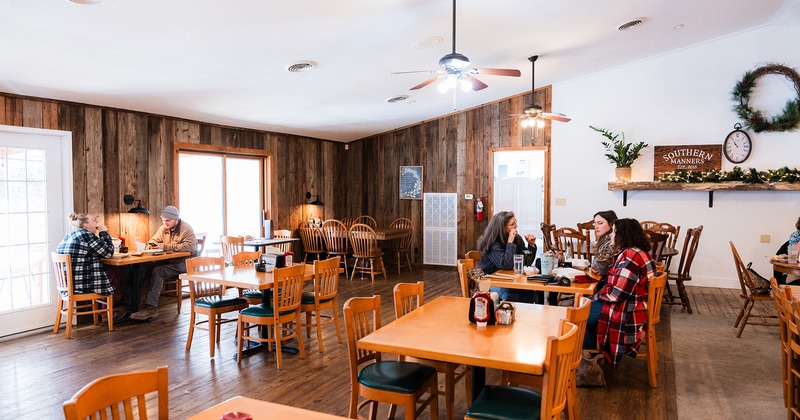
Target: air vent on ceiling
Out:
[628,25]
[398,98]
[428,42]
[301,66]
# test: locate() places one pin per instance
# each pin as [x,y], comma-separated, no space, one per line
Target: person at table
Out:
[620,327]
[603,253]
[88,242]
[498,245]
[173,235]
[794,239]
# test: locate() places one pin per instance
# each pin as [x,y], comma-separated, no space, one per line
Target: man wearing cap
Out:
[173,235]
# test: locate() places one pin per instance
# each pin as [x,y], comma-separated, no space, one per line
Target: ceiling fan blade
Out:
[500,72]
[425,83]
[557,116]
[476,84]
[414,71]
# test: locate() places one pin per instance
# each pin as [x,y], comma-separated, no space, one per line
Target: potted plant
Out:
[620,152]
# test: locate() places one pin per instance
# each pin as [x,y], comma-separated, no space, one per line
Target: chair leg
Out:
[239,339]
[336,320]
[741,313]
[572,399]
[355,266]
[749,304]
[278,335]
[191,331]
[95,308]
[179,294]
[372,269]
[110,312]
[684,295]
[70,308]
[212,329]
[319,330]
[298,333]
[58,315]
[652,360]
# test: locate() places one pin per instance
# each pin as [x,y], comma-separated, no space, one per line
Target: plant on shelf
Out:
[620,153]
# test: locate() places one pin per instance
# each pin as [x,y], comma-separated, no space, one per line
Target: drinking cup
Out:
[792,259]
[518,263]
[140,246]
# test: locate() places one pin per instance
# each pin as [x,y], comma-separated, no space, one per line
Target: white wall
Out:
[683,97]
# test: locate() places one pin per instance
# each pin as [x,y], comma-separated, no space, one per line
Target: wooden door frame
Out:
[490,199]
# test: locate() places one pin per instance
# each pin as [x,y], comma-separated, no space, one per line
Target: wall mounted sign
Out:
[694,157]
[411,182]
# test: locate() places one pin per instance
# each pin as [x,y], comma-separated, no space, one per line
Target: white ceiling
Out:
[224,61]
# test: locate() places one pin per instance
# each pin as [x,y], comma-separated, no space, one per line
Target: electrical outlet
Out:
[561,201]
[765,239]
[467,196]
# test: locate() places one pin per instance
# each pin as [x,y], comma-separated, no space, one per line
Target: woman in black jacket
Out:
[498,244]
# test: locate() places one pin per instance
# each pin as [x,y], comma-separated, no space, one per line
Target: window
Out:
[223,192]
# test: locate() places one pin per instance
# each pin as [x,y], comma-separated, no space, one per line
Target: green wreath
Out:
[790,117]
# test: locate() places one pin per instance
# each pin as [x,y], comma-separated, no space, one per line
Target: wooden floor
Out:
[40,370]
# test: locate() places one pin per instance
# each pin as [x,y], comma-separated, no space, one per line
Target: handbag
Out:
[589,372]
[757,283]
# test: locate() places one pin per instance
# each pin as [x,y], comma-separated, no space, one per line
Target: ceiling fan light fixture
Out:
[455,61]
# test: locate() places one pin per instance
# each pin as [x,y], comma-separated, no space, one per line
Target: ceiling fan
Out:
[532,115]
[456,71]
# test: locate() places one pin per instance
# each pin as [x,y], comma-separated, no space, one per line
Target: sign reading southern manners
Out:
[692,158]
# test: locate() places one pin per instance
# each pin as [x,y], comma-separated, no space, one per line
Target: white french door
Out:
[35,197]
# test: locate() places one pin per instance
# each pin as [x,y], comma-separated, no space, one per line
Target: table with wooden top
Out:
[507,279]
[260,410]
[440,330]
[120,260]
[782,266]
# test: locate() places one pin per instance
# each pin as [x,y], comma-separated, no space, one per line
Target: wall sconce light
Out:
[128,199]
[316,201]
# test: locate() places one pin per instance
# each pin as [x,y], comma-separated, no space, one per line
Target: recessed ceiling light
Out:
[86,1]
[398,98]
[428,42]
[300,66]
[630,24]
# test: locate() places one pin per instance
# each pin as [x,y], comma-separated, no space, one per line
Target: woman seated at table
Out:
[498,245]
[88,242]
[603,254]
[620,326]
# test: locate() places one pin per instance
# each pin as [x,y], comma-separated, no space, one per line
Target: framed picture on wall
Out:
[411,182]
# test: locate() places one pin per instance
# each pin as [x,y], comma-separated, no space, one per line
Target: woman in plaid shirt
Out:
[87,244]
[621,324]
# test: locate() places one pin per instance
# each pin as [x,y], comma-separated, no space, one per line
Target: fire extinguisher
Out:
[478,210]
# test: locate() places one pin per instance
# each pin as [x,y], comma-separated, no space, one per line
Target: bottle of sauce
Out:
[481,309]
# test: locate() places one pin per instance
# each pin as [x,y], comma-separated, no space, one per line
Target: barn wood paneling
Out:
[117,152]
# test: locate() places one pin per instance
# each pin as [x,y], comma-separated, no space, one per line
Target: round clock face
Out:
[737,146]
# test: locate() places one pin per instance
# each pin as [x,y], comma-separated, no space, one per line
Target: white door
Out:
[35,197]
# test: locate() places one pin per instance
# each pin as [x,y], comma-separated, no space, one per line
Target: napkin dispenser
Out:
[274,260]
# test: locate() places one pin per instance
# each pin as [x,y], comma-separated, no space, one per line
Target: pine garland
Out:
[750,176]
[790,117]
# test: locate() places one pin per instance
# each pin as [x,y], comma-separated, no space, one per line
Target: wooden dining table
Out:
[128,259]
[440,330]
[260,410]
[782,266]
[507,279]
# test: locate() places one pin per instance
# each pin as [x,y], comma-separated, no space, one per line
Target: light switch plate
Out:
[561,201]
[467,196]
[765,239]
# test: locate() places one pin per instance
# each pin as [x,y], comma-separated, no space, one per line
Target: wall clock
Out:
[737,145]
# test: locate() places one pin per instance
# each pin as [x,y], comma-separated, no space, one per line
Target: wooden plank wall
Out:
[118,152]
[454,151]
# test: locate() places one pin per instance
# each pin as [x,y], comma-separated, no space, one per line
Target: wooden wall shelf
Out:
[704,186]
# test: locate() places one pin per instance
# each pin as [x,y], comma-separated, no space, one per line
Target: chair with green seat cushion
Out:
[209,299]
[288,289]
[326,287]
[391,382]
[507,402]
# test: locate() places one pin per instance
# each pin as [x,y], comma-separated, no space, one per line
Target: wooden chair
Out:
[367,251]
[578,315]
[366,220]
[326,287]
[209,299]
[348,221]
[655,296]
[464,266]
[283,234]
[587,229]
[750,297]
[792,308]
[571,242]
[658,242]
[473,255]
[337,241]
[313,241]
[102,397]
[177,288]
[248,259]
[77,303]
[672,238]
[411,381]
[230,246]
[547,236]
[781,295]
[282,318]
[410,296]
[518,403]
[683,273]
[402,247]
